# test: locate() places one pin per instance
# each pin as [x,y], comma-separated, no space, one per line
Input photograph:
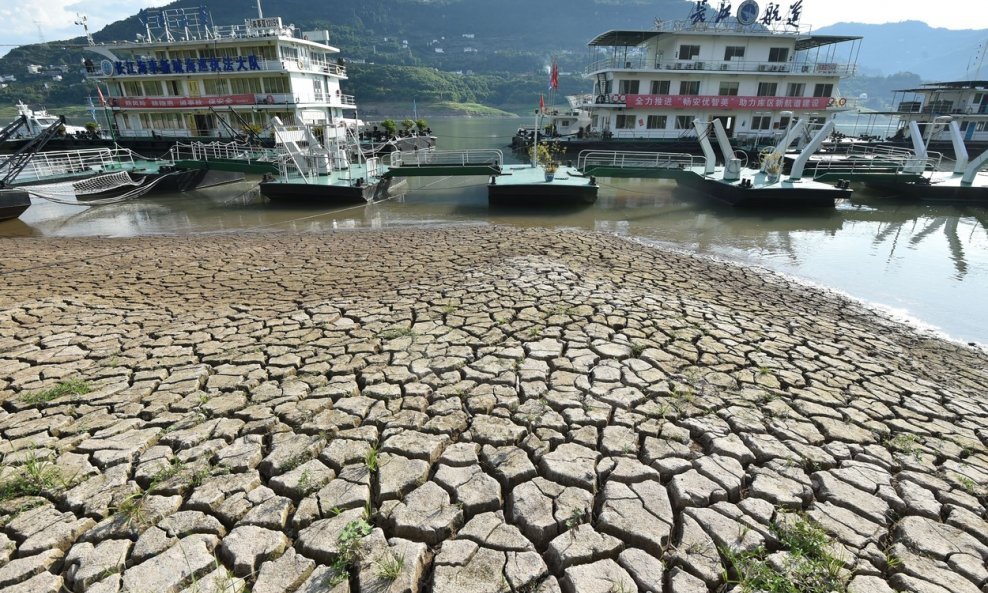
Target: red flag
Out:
[541,103]
[554,76]
[102,101]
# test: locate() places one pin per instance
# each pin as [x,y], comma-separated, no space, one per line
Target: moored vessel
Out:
[188,79]
[755,71]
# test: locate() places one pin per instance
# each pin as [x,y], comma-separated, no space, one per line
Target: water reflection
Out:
[929,262]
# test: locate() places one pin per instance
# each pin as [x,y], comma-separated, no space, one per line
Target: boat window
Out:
[688,52]
[767,89]
[689,87]
[625,122]
[778,54]
[761,122]
[796,89]
[684,122]
[657,122]
[628,87]
[660,87]
[274,85]
[728,89]
[133,89]
[243,86]
[823,90]
[734,51]
[216,86]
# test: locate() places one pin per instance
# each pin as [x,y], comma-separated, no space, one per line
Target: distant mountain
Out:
[913,46]
[510,41]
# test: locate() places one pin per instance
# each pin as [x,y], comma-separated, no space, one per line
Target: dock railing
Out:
[225,151]
[588,160]
[463,158]
[870,160]
[91,161]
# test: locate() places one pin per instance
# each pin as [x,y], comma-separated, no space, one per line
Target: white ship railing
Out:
[47,165]
[730,66]
[636,160]
[874,159]
[228,151]
[490,157]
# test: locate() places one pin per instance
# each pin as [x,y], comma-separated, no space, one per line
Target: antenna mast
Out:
[83,20]
[260,14]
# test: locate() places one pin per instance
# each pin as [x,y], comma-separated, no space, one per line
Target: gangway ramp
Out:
[229,156]
[637,164]
[444,163]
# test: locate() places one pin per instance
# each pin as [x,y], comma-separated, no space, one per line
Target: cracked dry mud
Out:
[509,410]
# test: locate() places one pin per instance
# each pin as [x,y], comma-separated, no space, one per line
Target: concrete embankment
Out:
[470,409]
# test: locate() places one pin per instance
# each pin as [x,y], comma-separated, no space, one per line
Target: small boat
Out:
[13,203]
[36,121]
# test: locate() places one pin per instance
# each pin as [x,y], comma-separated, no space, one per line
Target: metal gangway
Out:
[226,156]
[73,164]
[861,163]
[435,163]
[632,164]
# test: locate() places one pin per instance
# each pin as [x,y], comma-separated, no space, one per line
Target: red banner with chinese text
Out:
[181,102]
[733,103]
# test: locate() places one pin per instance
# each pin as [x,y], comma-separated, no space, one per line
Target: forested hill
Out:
[489,51]
[501,38]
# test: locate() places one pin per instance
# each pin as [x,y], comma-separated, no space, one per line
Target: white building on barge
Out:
[754,71]
[186,78]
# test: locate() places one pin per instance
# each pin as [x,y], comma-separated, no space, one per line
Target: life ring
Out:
[299,64]
[842,102]
[615,98]
[269,99]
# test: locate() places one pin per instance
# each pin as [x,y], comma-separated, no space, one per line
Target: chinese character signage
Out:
[730,102]
[141,67]
[180,102]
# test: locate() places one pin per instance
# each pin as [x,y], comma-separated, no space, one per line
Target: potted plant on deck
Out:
[546,156]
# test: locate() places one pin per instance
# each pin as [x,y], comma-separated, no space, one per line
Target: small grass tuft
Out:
[36,477]
[389,566]
[73,386]
[349,543]
[398,332]
[370,459]
[808,566]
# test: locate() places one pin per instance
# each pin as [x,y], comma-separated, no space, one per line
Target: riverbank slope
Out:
[471,408]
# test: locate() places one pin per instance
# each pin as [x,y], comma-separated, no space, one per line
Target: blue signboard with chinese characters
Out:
[142,67]
[723,13]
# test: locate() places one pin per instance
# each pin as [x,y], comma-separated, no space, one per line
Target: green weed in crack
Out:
[807,566]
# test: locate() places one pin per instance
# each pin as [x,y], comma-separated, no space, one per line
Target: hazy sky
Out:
[23,18]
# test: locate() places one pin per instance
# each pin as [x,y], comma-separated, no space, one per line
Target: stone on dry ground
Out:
[508,410]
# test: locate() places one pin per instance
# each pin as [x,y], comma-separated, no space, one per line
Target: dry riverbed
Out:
[473,409]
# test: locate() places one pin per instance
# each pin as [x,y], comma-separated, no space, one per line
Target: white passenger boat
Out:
[755,71]
[186,78]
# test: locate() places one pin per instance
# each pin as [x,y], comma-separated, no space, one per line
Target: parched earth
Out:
[471,410]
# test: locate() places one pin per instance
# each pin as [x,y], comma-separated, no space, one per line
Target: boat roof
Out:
[943,86]
[632,38]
